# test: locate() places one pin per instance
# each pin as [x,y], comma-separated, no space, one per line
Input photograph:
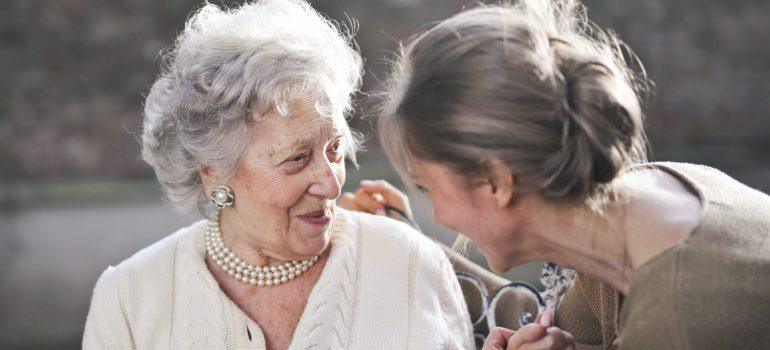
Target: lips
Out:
[317,217]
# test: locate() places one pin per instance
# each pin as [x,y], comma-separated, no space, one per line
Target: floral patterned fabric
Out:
[556,279]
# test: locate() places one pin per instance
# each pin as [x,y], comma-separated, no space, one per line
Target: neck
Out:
[255,275]
[577,237]
[656,211]
[241,241]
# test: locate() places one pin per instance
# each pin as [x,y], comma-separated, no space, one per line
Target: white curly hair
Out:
[229,63]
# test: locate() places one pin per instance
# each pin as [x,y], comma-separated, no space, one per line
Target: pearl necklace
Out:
[254,275]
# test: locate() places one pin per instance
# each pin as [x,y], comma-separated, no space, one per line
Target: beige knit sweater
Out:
[384,286]
[709,291]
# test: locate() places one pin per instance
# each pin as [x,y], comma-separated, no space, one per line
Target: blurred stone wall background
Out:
[75,196]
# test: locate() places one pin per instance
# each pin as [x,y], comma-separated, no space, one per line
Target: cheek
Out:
[460,215]
[270,191]
[290,190]
[450,214]
[440,214]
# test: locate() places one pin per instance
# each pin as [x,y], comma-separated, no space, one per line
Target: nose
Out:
[326,182]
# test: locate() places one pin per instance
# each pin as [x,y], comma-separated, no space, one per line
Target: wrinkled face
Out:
[287,182]
[467,209]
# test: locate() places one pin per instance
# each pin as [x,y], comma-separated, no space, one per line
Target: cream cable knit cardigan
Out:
[385,286]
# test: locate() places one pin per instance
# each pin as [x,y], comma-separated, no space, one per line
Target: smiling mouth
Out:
[317,217]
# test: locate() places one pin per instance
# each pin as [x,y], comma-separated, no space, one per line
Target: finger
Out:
[527,334]
[378,197]
[572,345]
[555,339]
[545,319]
[348,201]
[570,341]
[497,339]
[368,202]
[393,196]
[507,333]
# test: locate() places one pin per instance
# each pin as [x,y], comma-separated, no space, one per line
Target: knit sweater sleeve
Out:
[454,307]
[106,326]
[575,316]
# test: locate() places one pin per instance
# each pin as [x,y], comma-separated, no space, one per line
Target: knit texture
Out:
[709,291]
[590,311]
[384,286]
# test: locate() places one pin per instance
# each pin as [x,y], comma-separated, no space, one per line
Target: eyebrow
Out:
[414,178]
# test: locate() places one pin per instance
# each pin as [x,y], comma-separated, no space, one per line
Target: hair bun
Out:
[602,128]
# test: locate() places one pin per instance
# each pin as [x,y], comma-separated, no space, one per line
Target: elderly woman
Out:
[524,126]
[247,123]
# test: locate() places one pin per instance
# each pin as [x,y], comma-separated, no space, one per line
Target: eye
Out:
[335,151]
[296,162]
[421,189]
[297,158]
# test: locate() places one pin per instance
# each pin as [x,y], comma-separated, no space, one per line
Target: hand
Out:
[539,335]
[373,196]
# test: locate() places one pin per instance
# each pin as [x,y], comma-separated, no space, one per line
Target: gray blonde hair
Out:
[229,63]
[534,84]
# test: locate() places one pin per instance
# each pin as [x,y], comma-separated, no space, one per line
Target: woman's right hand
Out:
[373,196]
[539,335]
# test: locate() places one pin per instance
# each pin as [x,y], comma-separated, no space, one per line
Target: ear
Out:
[208,177]
[500,180]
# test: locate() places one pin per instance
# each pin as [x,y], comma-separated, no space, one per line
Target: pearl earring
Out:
[222,196]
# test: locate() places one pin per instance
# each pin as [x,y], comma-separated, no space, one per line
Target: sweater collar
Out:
[327,318]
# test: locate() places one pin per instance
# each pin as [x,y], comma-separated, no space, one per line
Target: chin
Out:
[498,268]
[495,263]
[309,243]
[318,245]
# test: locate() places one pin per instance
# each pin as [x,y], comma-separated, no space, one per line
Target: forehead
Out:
[422,170]
[301,125]
[433,173]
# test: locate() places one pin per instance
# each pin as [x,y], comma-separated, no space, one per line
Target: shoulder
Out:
[418,276]
[729,209]
[131,300]
[687,167]
[387,228]
[390,246]
[714,184]
[393,237]
[153,263]
[693,175]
